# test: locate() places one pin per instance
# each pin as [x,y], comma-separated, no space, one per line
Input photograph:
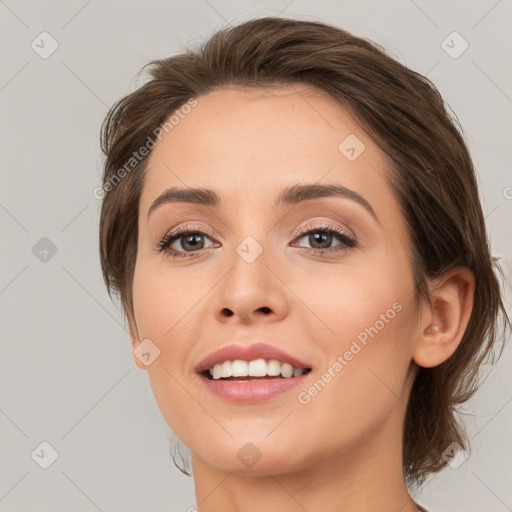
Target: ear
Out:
[135,343]
[443,325]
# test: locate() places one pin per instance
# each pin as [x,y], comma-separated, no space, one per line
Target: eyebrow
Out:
[292,195]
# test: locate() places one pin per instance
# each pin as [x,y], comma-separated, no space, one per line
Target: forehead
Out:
[248,142]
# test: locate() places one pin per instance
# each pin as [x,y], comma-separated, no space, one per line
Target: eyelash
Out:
[347,241]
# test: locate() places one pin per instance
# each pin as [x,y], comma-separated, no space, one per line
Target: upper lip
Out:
[248,353]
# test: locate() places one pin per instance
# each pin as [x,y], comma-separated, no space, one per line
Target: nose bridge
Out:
[250,289]
[250,236]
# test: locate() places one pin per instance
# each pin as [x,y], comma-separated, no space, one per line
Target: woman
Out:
[291,220]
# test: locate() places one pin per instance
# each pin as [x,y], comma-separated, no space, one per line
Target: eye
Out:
[188,240]
[321,239]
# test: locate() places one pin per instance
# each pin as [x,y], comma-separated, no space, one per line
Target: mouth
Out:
[251,373]
[251,382]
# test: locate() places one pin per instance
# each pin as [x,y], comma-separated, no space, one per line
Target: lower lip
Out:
[251,391]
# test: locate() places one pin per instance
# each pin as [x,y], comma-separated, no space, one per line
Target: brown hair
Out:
[431,174]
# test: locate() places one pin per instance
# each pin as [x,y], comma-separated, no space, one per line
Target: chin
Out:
[250,459]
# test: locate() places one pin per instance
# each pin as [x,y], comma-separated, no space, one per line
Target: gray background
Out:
[67,374]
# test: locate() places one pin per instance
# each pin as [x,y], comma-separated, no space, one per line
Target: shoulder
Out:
[420,508]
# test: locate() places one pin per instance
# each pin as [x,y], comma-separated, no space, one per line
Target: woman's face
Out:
[261,271]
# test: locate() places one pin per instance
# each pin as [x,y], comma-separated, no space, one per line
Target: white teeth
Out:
[258,368]
[273,368]
[226,369]
[287,370]
[239,368]
[217,371]
[255,368]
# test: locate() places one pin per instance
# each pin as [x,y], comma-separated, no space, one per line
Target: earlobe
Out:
[443,325]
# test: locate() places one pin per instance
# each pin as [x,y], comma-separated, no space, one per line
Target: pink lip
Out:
[248,353]
[251,391]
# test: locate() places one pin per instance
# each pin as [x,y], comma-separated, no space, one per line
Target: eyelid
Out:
[324,225]
[175,233]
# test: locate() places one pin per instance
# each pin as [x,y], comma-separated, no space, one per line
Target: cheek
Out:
[343,300]
[162,303]
[372,319]
[162,299]
[366,313]
[362,383]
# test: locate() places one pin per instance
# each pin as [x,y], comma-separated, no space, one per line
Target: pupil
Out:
[317,239]
[193,242]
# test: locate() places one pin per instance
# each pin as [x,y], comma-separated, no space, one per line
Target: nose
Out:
[251,292]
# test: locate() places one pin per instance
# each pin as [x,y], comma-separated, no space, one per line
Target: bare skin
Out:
[340,451]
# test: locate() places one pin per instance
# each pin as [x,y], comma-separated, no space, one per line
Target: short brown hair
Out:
[431,174]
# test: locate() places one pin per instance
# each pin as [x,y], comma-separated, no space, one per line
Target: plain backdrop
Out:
[67,374]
